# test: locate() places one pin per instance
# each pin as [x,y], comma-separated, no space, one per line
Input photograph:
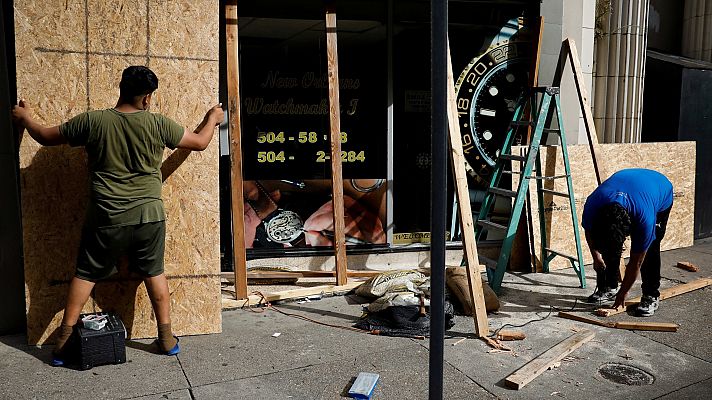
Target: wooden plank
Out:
[569,51]
[230,276]
[254,299]
[581,318]
[630,325]
[537,366]
[585,107]
[234,130]
[534,72]
[664,294]
[337,184]
[463,200]
[646,326]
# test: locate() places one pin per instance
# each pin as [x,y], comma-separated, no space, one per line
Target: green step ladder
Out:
[549,103]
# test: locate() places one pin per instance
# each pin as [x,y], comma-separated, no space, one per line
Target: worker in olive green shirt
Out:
[125,215]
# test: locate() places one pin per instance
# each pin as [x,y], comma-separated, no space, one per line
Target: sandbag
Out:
[398,299]
[391,282]
[457,282]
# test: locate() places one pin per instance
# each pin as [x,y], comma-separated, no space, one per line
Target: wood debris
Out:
[687,266]
[664,294]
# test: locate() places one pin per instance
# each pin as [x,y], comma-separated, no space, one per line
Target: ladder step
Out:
[558,253]
[555,193]
[503,192]
[490,224]
[551,130]
[552,177]
[512,157]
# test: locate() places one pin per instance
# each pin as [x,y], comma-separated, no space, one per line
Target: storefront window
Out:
[286,126]
[384,70]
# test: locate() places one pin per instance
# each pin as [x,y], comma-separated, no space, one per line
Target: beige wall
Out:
[619,72]
[574,20]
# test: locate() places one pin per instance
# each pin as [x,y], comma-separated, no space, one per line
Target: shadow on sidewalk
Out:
[19,342]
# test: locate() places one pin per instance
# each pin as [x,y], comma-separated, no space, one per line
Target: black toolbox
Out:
[100,347]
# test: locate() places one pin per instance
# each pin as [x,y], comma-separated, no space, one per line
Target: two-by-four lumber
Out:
[301,273]
[255,299]
[337,183]
[233,106]
[630,325]
[538,365]
[463,200]
[664,294]
[568,50]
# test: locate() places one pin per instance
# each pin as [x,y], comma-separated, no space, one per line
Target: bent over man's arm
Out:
[200,138]
[632,269]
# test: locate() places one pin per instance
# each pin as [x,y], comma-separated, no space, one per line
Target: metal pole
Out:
[438,194]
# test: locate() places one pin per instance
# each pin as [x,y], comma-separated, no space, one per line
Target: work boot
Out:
[602,295]
[647,306]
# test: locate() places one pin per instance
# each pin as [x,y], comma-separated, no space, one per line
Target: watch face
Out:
[487,94]
[285,227]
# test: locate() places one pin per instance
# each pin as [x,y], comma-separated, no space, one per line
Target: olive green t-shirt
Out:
[125,153]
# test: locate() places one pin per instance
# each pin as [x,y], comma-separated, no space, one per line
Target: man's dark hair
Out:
[137,80]
[610,228]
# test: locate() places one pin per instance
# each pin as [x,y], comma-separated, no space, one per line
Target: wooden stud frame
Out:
[234,129]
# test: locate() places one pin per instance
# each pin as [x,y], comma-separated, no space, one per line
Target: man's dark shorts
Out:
[101,248]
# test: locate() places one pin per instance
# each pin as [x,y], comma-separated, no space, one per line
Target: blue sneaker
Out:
[175,350]
[56,361]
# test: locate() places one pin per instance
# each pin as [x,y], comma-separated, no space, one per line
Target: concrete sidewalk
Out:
[311,361]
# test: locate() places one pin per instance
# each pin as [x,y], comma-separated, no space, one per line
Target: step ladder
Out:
[549,103]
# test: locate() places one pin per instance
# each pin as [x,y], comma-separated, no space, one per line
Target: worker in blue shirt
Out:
[635,203]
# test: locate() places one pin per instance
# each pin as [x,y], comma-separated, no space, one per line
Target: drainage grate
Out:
[625,374]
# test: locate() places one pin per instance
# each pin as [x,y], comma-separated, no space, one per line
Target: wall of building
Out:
[665,26]
[574,20]
[620,70]
[697,30]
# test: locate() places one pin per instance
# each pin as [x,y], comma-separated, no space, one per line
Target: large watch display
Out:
[487,93]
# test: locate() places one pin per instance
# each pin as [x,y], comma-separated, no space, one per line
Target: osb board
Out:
[675,160]
[70,54]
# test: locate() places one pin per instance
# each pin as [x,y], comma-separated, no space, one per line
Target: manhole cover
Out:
[625,374]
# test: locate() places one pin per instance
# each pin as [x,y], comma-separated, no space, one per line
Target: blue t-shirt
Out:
[642,192]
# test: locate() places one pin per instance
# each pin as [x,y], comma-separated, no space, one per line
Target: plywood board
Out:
[70,54]
[674,160]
